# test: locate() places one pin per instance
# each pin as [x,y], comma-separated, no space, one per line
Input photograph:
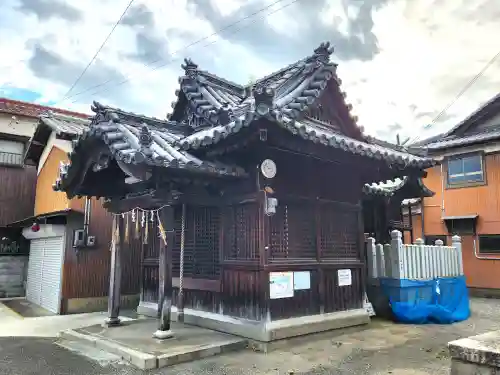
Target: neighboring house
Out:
[467,199]
[61,277]
[17,190]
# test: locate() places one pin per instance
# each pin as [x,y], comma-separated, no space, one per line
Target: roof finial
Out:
[190,68]
[145,138]
[323,52]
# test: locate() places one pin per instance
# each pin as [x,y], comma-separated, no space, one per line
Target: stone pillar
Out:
[115,275]
[397,266]
[456,242]
[165,275]
[371,257]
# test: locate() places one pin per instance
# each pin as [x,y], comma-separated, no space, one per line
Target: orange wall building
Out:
[467,194]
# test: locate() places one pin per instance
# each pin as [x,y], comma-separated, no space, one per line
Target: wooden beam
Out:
[115,274]
[165,275]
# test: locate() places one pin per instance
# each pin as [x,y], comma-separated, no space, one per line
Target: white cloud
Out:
[428,50]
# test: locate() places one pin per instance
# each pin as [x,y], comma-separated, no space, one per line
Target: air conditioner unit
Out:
[79,238]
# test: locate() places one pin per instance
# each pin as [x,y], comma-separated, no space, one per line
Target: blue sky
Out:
[22,94]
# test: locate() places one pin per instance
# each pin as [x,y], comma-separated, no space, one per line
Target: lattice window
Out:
[241,231]
[201,244]
[339,237]
[293,233]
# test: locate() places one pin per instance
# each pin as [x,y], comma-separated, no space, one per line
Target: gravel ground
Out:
[384,348]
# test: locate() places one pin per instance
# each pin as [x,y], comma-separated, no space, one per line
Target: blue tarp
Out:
[442,300]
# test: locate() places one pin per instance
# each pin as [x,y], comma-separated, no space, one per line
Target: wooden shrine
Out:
[260,189]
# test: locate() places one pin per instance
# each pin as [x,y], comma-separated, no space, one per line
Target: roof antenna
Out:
[397,140]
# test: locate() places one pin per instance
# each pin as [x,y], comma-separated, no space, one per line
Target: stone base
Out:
[476,355]
[148,309]
[162,335]
[133,343]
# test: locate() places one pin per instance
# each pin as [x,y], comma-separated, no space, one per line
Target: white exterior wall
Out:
[24,126]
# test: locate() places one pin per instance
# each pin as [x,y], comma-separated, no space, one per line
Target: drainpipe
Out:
[86,218]
[442,193]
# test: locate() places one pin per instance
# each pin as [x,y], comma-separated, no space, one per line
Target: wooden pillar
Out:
[165,275]
[115,274]
[410,221]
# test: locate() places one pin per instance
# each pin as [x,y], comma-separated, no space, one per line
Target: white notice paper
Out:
[280,285]
[345,277]
[302,280]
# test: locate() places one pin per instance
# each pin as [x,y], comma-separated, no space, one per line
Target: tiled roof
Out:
[455,141]
[413,201]
[132,140]
[16,107]
[289,91]
[64,124]
[463,133]
[390,187]
[386,188]
[220,108]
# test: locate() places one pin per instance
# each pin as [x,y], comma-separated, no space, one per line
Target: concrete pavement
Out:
[385,348]
[14,325]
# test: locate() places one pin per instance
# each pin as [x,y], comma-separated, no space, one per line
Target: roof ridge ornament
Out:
[323,52]
[145,137]
[264,99]
[190,68]
[225,114]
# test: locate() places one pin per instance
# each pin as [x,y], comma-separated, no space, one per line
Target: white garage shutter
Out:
[34,282]
[45,291]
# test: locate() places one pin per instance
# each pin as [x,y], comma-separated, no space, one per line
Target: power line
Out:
[98,51]
[128,78]
[463,91]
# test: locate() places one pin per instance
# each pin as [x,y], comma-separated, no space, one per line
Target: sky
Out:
[401,62]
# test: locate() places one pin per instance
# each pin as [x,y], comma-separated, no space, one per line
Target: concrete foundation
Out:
[13,270]
[133,342]
[476,355]
[94,304]
[266,332]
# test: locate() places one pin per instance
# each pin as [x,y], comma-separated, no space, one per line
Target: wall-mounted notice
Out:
[345,277]
[302,280]
[280,285]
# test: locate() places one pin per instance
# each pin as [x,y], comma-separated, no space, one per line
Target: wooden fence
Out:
[416,262]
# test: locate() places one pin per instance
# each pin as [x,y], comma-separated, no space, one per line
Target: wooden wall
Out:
[86,272]
[317,228]
[482,200]
[17,193]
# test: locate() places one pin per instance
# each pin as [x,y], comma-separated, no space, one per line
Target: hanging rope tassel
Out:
[163,235]
[127,229]
[137,225]
[146,233]
[180,303]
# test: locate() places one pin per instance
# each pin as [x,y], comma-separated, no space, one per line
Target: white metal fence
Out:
[417,262]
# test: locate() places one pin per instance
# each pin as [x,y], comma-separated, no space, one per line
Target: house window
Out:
[489,243]
[11,152]
[465,170]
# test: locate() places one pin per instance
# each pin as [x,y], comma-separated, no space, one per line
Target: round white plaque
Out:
[268,168]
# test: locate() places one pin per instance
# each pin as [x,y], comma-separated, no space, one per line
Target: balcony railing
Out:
[9,158]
